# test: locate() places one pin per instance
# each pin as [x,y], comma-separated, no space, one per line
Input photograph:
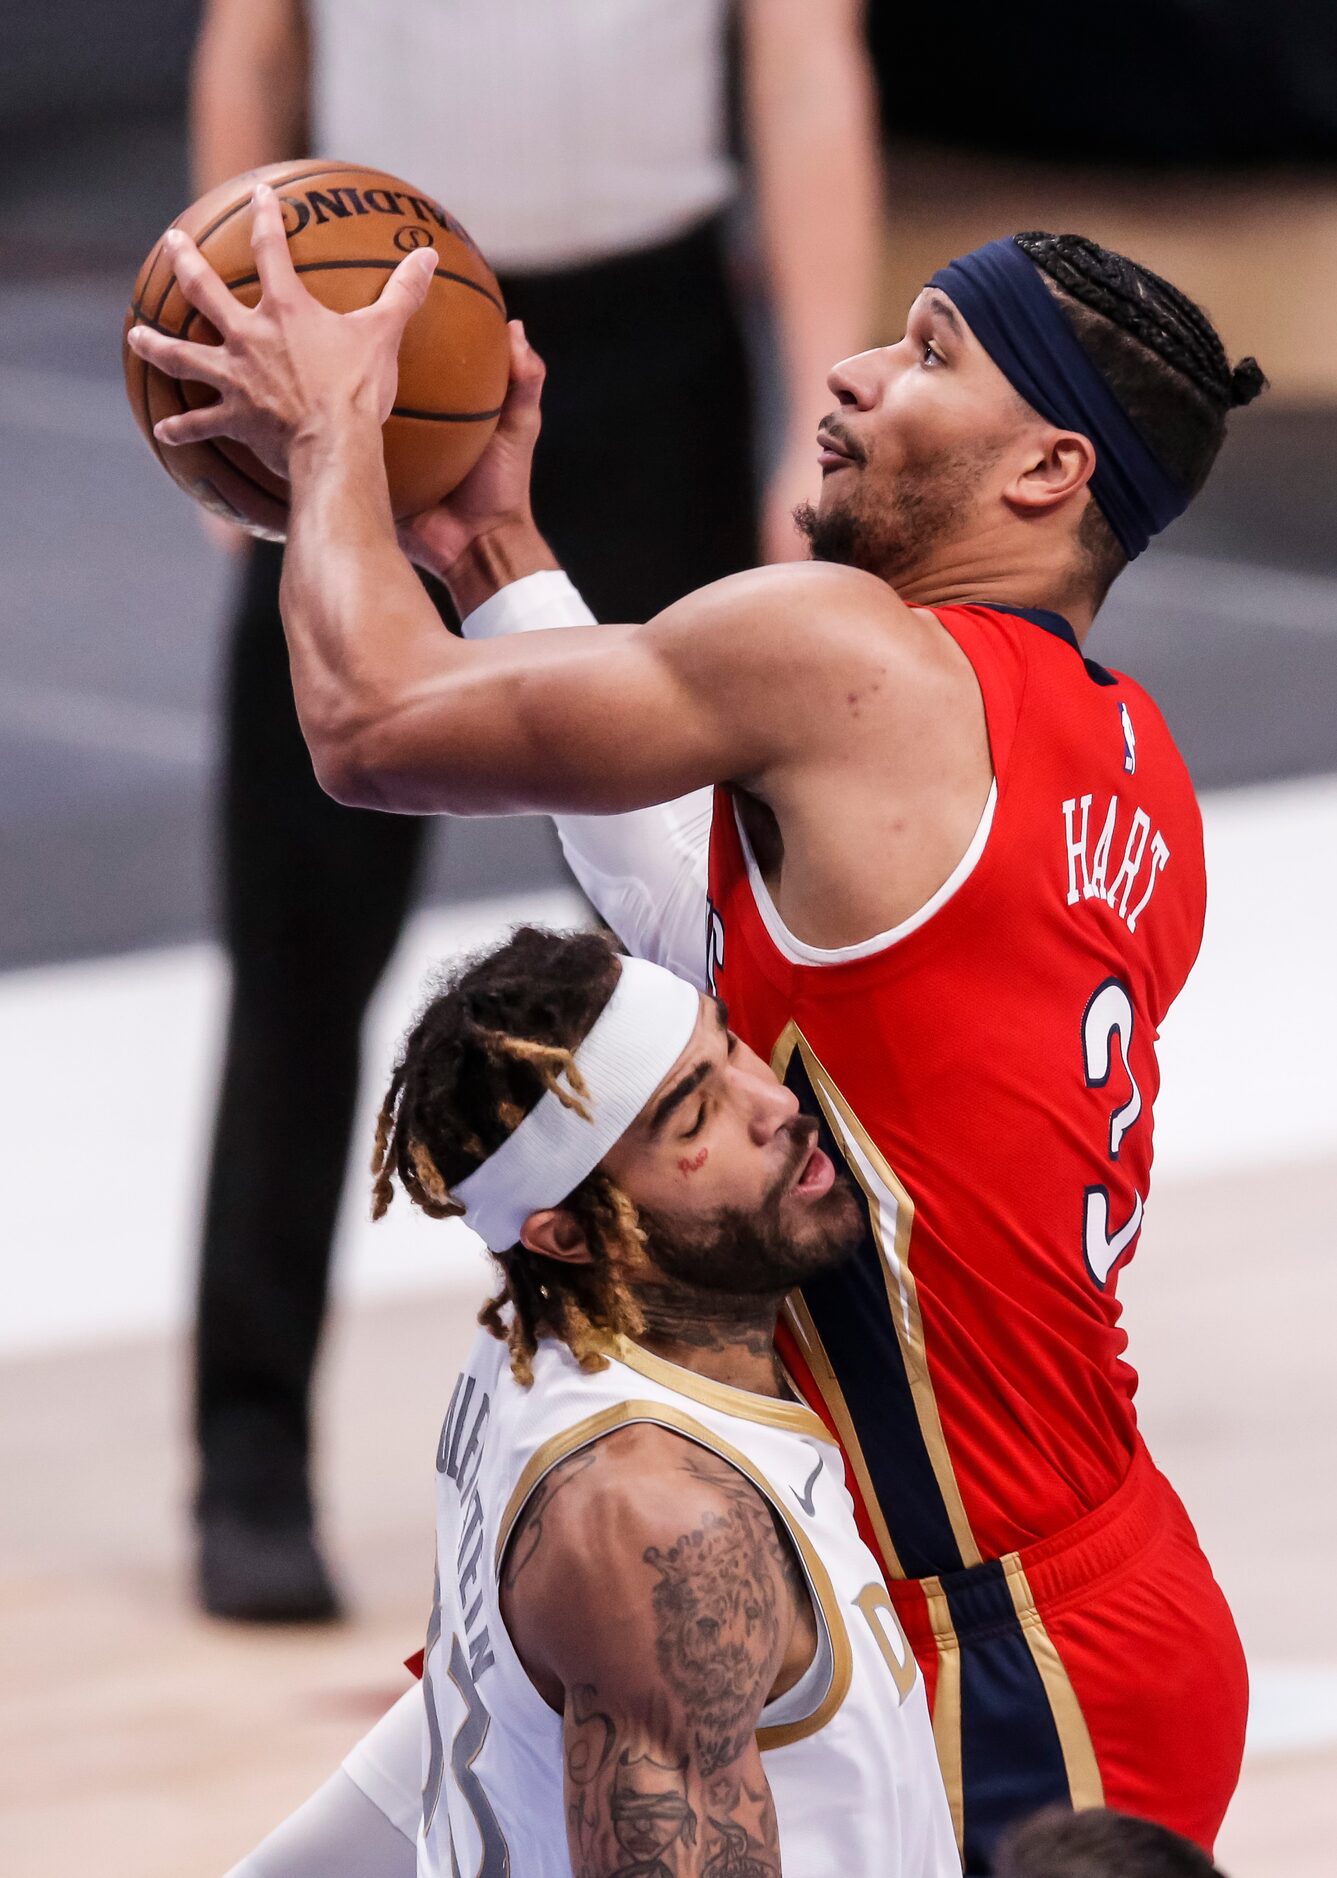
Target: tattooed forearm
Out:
[631,1814]
[590,1736]
[743,1835]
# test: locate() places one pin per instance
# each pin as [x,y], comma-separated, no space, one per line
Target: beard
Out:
[892,531]
[758,1252]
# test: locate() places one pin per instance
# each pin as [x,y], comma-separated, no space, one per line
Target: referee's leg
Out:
[314,897]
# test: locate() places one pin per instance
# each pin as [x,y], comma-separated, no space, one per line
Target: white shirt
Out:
[848,1753]
[558,131]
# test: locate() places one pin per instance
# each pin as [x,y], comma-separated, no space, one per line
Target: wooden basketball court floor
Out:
[139,1740]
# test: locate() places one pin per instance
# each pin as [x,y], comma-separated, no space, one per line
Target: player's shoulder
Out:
[628,1490]
[608,1528]
[804,593]
[809,618]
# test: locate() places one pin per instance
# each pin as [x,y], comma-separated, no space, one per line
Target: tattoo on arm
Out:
[719,1622]
[742,1828]
[634,1818]
[528,1534]
[721,1610]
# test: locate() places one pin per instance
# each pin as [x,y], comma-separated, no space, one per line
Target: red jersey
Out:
[986,1074]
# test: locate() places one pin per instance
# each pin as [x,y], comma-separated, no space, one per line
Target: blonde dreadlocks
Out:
[498,1035]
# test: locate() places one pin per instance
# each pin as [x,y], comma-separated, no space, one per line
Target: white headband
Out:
[634,1043]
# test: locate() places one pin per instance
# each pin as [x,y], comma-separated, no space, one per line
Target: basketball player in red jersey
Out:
[956,881]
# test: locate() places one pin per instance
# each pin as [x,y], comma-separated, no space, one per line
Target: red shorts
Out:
[1098,1667]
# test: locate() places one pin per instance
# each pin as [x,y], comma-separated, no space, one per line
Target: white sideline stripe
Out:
[1292,1708]
[85,720]
[1246,1051]
[105,1244]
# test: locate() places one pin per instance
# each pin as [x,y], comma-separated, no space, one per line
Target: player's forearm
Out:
[362,633]
[248,88]
[399,715]
[638,1798]
[812,131]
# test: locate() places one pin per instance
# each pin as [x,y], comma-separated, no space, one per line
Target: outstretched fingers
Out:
[180,358]
[269,245]
[199,283]
[210,420]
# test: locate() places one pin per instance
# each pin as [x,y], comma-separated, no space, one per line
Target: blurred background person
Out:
[587,147]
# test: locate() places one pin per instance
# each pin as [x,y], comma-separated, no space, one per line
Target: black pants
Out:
[643,485]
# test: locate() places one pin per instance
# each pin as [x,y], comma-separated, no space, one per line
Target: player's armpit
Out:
[647,1589]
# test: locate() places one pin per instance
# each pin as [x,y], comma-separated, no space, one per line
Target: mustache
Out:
[805,1133]
[844,436]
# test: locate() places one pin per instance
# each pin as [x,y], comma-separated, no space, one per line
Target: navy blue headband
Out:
[1002,296]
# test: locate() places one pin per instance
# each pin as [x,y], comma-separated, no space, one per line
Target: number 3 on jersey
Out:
[494,1856]
[1109,1014]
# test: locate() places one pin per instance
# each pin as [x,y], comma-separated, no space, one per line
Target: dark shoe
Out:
[263,1573]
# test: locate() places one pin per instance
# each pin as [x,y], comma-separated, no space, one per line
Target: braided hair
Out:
[498,1034]
[1162,358]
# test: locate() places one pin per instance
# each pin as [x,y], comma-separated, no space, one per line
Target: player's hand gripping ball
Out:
[348,228]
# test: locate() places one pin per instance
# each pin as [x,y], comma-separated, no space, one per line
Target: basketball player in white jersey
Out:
[659,1647]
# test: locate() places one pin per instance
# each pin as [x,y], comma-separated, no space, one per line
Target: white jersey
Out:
[848,1752]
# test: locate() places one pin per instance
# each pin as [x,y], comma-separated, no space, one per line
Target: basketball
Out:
[348,227]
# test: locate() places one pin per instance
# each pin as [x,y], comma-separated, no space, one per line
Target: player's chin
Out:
[826,1227]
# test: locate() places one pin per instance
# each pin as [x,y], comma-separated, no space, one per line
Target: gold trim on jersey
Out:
[1085,1786]
[814,1354]
[796,1417]
[872,1601]
[902,1291]
[665,1415]
[947,1705]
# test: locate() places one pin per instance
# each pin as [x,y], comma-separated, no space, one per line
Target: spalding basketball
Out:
[348,228]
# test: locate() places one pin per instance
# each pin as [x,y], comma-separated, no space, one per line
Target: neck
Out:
[995,568]
[730,1339]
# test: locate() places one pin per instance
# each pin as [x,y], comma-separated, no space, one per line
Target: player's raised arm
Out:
[649,1596]
[721,686]
[725,685]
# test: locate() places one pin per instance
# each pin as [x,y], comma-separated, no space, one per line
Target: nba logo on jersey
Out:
[714,945]
[1129,741]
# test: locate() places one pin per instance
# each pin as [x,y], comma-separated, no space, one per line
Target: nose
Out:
[857,381]
[771,1106]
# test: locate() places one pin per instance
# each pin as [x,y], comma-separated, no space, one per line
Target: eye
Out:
[929,354]
[698,1124]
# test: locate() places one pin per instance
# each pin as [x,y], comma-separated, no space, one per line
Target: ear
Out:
[1060,465]
[556,1234]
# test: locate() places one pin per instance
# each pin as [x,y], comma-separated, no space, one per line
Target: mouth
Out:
[816,1176]
[832,454]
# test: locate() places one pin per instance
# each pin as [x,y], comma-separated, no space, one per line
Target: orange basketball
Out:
[348,227]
